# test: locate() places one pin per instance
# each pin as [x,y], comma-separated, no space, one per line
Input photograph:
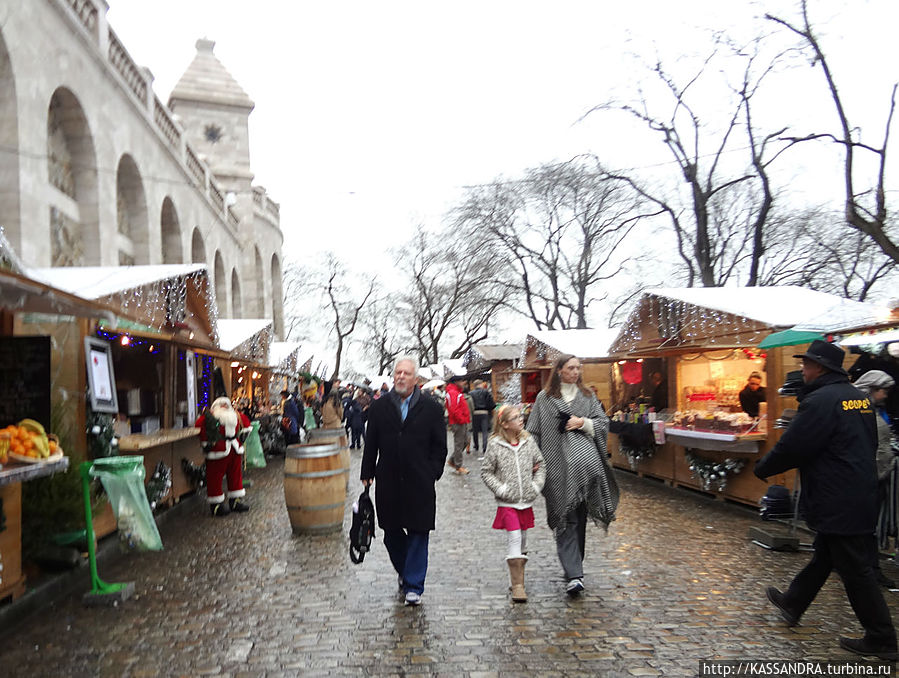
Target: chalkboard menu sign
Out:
[24,380]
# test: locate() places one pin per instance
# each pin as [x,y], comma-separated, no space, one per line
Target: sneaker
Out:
[462,471]
[481,458]
[868,649]
[575,586]
[451,463]
[777,600]
[413,599]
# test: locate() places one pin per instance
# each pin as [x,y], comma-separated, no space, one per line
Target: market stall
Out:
[247,342]
[162,343]
[701,355]
[543,347]
[497,362]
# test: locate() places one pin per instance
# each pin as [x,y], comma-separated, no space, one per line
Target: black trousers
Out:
[851,556]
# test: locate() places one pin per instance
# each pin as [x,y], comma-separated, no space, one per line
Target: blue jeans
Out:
[409,555]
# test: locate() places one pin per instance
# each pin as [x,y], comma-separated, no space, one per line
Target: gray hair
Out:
[407,359]
[874,379]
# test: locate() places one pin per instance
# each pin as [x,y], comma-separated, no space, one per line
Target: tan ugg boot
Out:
[516,577]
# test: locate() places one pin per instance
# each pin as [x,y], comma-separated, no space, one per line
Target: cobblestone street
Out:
[675,581]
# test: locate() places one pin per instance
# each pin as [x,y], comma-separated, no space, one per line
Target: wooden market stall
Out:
[283,357]
[543,347]
[30,376]
[705,342]
[247,341]
[163,344]
[498,360]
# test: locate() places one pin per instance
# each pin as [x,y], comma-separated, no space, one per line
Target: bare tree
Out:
[383,340]
[450,296]
[558,233]
[866,210]
[713,249]
[344,305]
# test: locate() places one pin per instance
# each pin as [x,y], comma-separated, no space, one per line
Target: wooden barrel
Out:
[338,436]
[314,487]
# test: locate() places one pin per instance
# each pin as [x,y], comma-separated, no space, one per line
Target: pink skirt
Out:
[508,518]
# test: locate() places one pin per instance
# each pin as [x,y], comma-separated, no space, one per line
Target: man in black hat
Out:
[832,440]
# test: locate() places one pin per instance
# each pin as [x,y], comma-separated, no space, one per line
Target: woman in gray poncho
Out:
[571,428]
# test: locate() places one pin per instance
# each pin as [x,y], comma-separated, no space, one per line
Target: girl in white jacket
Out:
[513,470]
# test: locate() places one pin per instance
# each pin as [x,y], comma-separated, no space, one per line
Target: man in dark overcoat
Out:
[832,440]
[405,450]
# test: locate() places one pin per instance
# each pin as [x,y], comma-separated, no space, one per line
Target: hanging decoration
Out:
[713,474]
[101,438]
[159,485]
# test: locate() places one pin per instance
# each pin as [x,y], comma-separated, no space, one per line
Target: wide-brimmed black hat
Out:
[825,354]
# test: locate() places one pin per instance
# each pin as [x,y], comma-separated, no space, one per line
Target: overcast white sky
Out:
[371,116]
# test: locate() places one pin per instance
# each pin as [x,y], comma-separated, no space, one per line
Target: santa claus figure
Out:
[223,431]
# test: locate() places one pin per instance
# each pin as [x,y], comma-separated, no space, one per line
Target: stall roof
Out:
[20,293]
[751,312]
[93,282]
[778,306]
[235,331]
[581,343]
[280,352]
[498,351]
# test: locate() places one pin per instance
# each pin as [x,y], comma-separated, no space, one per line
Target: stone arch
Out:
[170,226]
[72,174]
[236,303]
[221,286]
[10,217]
[131,210]
[259,292]
[197,248]
[277,297]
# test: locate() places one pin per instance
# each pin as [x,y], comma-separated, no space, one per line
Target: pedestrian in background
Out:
[571,429]
[355,419]
[483,410]
[290,418]
[459,419]
[513,470]
[876,384]
[405,450]
[832,440]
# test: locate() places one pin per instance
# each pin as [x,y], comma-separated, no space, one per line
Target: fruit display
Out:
[30,441]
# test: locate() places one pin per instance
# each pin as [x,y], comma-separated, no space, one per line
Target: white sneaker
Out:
[413,599]
[574,586]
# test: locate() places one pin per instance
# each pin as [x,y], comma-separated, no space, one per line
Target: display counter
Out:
[747,443]
[169,446]
[12,475]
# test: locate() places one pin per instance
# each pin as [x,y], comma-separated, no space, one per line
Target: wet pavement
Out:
[674,581]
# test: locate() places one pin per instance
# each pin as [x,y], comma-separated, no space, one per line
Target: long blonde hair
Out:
[503,415]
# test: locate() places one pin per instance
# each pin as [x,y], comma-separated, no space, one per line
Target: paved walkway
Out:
[674,581]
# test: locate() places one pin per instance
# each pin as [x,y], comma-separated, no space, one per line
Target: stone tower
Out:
[214,111]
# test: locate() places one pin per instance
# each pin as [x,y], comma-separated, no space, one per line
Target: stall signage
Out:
[25,380]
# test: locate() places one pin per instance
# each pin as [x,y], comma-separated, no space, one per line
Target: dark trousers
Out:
[571,541]
[480,425]
[851,557]
[358,431]
[408,553]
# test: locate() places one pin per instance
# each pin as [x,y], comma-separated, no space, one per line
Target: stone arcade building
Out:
[96,171]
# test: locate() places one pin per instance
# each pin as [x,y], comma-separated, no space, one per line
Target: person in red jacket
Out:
[459,422]
[223,431]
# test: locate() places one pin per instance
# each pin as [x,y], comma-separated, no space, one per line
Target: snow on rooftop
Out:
[779,306]
[94,282]
[279,351]
[235,331]
[581,343]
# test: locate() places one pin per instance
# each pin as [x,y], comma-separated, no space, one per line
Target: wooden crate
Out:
[12,583]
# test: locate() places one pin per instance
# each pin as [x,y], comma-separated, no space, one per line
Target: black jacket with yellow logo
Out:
[832,440]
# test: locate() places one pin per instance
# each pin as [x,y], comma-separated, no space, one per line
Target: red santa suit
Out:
[223,447]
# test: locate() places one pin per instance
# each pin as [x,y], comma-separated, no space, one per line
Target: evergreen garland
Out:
[101,435]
